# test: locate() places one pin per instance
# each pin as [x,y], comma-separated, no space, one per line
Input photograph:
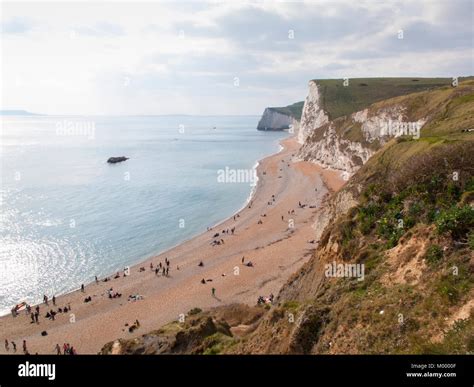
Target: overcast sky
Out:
[218,57]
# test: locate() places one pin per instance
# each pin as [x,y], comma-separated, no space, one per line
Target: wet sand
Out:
[277,248]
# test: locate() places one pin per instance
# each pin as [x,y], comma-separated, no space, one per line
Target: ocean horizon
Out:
[68,215]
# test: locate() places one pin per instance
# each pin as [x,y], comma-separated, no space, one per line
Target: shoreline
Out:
[166,298]
[251,194]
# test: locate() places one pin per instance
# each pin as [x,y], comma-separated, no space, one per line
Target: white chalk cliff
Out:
[326,142]
[313,116]
[274,120]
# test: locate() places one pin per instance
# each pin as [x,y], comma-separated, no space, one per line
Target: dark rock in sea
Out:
[113,160]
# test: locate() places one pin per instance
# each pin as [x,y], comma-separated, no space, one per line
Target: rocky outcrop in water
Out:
[114,160]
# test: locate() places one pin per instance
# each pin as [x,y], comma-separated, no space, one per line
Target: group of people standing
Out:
[164,269]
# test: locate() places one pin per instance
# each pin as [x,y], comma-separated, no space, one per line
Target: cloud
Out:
[161,58]
[16,26]
[100,29]
[259,29]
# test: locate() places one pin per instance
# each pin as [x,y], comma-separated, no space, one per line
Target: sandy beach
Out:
[276,246]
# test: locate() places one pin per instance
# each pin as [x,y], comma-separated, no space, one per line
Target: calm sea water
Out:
[67,215]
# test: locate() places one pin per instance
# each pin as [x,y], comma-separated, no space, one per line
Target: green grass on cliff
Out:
[293,110]
[339,100]
[409,199]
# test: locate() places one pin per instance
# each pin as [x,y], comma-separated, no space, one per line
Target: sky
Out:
[218,57]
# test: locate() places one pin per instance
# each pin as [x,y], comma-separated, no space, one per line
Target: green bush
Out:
[457,221]
[434,254]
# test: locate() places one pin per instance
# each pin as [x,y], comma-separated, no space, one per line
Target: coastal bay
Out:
[275,241]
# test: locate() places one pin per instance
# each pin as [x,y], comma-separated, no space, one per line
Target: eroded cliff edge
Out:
[281,118]
[344,122]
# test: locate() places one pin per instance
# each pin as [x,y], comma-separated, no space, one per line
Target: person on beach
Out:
[25,349]
[83,290]
[37,317]
[243,259]
[14,346]
[96,280]
[213,291]
[32,318]
[58,349]
[157,271]
[54,300]
[45,299]
[7,347]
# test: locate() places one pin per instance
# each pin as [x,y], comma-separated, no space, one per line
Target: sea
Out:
[67,215]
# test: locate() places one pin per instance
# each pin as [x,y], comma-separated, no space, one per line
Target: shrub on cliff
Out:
[457,221]
[434,254]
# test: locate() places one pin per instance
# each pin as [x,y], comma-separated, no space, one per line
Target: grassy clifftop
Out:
[339,100]
[293,110]
[449,112]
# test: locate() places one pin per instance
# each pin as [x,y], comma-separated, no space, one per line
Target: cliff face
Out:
[347,142]
[281,118]
[313,116]
[274,120]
